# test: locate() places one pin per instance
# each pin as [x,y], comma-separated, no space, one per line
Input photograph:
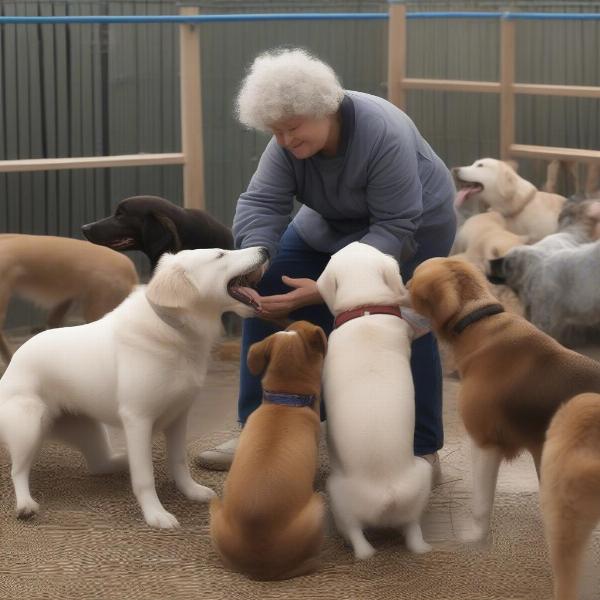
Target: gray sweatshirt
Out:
[383,185]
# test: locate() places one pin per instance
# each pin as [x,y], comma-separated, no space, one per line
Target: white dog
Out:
[375,478]
[139,367]
[527,211]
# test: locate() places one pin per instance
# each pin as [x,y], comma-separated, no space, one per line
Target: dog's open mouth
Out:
[122,243]
[242,288]
[466,189]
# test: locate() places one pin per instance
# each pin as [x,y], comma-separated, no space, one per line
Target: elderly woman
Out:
[361,171]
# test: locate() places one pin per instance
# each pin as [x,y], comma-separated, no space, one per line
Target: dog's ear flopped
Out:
[259,355]
[170,286]
[393,279]
[317,339]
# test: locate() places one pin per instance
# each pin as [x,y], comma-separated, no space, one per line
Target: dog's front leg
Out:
[177,462]
[138,433]
[485,465]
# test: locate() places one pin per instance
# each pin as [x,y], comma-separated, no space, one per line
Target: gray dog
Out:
[557,278]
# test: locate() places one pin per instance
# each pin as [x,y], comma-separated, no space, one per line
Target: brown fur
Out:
[269,524]
[570,488]
[55,272]
[514,377]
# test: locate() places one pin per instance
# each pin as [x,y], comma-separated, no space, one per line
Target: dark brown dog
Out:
[514,377]
[269,524]
[154,226]
[570,488]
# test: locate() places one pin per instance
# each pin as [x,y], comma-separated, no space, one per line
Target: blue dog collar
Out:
[289,399]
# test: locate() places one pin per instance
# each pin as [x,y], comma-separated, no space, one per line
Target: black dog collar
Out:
[476,315]
[289,399]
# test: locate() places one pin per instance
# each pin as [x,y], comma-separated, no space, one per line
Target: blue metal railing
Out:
[194,19]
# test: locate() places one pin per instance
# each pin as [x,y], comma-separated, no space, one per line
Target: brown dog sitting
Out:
[269,524]
[513,376]
[570,488]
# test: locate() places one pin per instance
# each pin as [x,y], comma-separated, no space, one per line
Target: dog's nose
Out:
[264,253]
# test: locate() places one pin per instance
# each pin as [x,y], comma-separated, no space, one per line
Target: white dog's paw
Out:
[161,519]
[474,532]
[199,493]
[27,509]
[363,551]
[116,464]
[420,548]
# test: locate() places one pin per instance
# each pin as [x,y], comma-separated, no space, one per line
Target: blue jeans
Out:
[297,259]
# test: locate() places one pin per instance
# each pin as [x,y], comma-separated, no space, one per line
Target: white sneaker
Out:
[220,457]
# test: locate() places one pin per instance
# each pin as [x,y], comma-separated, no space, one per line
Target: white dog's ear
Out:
[393,279]
[170,286]
[259,355]
[507,183]
[513,164]
[327,286]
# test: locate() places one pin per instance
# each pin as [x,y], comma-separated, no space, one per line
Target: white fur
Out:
[375,478]
[139,367]
[527,211]
[287,83]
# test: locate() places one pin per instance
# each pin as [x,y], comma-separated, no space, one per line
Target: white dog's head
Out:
[359,275]
[217,280]
[493,181]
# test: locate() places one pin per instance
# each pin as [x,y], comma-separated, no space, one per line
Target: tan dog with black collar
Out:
[269,524]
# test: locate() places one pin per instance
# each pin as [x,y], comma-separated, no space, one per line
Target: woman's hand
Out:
[305,292]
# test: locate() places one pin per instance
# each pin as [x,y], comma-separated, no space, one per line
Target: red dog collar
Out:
[361,311]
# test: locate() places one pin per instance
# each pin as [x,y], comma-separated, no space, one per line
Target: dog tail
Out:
[270,555]
[411,490]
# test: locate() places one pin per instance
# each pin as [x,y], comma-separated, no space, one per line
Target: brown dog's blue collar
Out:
[289,399]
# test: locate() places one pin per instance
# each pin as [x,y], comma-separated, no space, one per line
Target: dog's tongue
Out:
[252,295]
[462,195]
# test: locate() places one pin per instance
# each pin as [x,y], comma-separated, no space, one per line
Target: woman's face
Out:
[305,136]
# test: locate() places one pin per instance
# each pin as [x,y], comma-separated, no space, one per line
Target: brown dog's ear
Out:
[170,227]
[170,286]
[318,340]
[259,355]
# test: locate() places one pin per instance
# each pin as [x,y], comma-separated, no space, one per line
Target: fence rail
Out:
[191,156]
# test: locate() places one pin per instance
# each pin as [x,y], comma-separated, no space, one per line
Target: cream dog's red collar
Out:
[361,311]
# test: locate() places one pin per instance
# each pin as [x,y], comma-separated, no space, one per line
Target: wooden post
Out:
[191,112]
[507,92]
[396,53]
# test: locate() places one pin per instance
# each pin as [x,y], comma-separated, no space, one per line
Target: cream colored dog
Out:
[56,272]
[376,481]
[139,367]
[484,237]
[527,211]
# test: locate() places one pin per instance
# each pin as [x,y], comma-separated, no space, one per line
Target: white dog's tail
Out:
[412,490]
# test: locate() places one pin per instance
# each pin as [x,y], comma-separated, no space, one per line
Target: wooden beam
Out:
[577,91]
[550,153]
[191,112]
[396,54]
[90,162]
[507,79]
[451,85]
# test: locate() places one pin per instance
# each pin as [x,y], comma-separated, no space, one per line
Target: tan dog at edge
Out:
[570,488]
[269,524]
[513,376]
[55,272]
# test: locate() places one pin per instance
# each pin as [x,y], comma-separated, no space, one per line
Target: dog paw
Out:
[199,493]
[161,519]
[421,548]
[474,533]
[27,509]
[364,552]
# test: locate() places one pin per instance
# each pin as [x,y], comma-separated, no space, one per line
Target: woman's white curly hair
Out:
[285,83]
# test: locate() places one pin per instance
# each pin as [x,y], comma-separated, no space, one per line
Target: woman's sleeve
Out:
[394,197]
[263,211]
